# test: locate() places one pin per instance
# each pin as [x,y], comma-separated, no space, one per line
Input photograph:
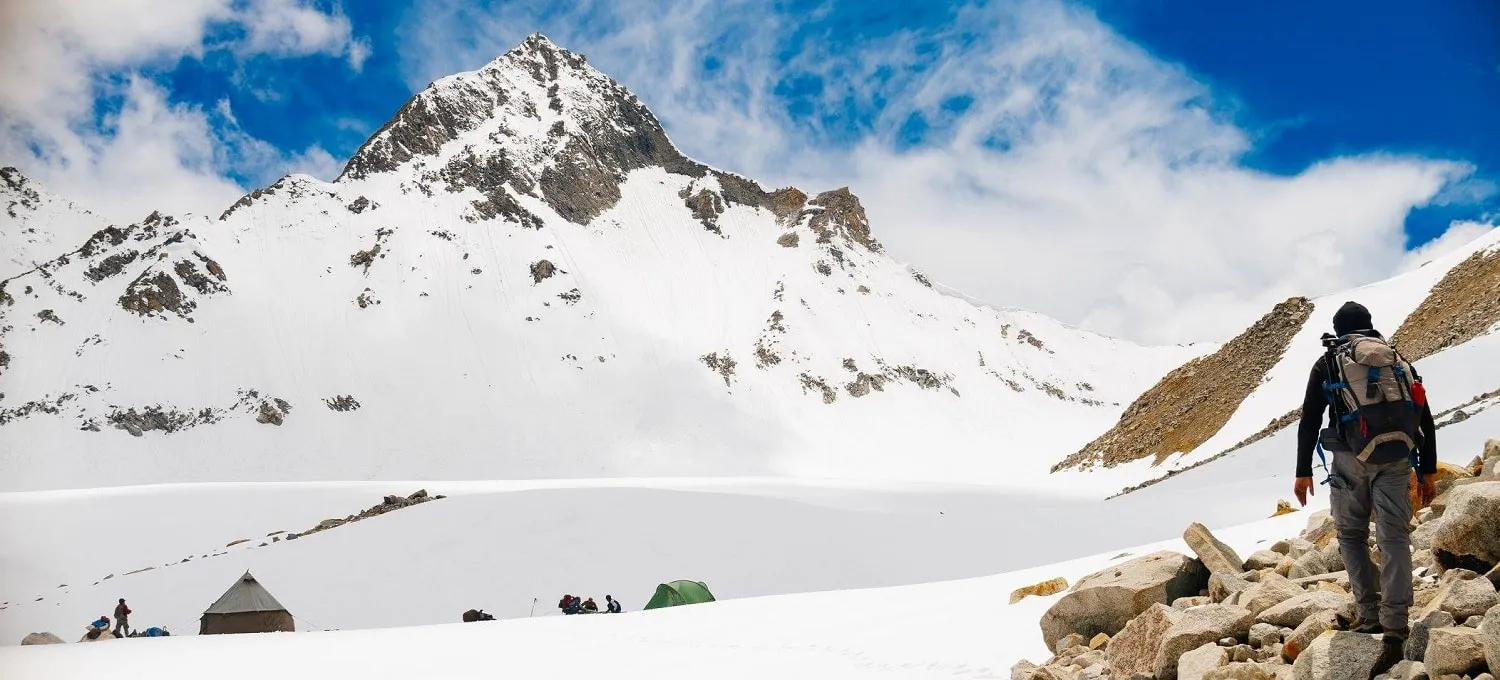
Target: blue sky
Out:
[1137,141]
[1308,81]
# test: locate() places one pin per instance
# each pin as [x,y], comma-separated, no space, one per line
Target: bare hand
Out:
[1303,489]
[1427,491]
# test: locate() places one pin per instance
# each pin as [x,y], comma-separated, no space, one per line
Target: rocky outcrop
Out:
[1468,533]
[1196,627]
[1189,405]
[387,504]
[1260,625]
[41,639]
[1219,558]
[1043,589]
[1338,656]
[1489,637]
[1103,602]
[1134,650]
[1455,650]
[1461,307]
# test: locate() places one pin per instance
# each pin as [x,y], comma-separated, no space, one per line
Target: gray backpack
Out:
[1370,387]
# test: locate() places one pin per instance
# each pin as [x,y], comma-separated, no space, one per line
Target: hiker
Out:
[590,607]
[1380,426]
[611,605]
[569,605]
[122,616]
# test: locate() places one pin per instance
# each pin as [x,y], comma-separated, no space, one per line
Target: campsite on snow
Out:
[527,383]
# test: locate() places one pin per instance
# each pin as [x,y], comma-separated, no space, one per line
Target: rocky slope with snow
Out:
[520,276]
[1252,386]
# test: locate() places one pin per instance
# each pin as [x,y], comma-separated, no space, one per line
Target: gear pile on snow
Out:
[1282,613]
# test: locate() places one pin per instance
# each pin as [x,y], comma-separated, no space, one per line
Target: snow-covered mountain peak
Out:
[520,276]
[539,122]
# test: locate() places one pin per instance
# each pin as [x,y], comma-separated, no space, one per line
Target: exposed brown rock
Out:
[1461,307]
[1043,589]
[1191,403]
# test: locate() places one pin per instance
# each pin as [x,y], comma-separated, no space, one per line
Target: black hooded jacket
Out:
[1353,318]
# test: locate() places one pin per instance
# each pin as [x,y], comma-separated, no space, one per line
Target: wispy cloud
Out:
[79,110]
[1059,167]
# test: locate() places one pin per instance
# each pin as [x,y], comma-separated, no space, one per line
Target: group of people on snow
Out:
[100,627]
[572,604]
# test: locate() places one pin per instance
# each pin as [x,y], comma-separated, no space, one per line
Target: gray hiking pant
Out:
[1383,490]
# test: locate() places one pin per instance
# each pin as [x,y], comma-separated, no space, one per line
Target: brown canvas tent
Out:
[247,607]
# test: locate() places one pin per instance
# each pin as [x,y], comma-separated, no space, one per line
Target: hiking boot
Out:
[1392,651]
[1366,627]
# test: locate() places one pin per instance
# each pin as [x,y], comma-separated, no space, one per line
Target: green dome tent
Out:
[679,593]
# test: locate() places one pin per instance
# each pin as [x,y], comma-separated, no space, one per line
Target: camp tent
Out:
[247,607]
[679,593]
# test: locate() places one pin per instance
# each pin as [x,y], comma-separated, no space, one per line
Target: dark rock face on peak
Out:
[483,131]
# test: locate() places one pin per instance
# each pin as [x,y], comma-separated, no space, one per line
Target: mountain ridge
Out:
[450,317]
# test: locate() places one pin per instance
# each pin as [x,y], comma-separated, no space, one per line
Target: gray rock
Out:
[1198,662]
[1183,603]
[41,639]
[1484,676]
[1068,642]
[1311,563]
[1103,602]
[1298,547]
[1089,658]
[1242,653]
[1098,671]
[1463,597]
[1407,669]
[1272,590]
[1133,651]
[1416,644]
[1338,656]
[1271,653]
[1489,637]
[1223,585]
[1023,670]
[1470,529]
[1196,627]
[1264,634]
[1218,557]
[1262,559]
[1454,651]
[1307,632]
[1320,529]
[1296,610]
[1473,622]
[1251,671]
[1421,537]
[1494,576]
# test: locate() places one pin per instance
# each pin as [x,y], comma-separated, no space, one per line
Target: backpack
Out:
[1376,406]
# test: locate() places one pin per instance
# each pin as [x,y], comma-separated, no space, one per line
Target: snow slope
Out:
[1453,376]
[520,277]
[35,225]
[961,629]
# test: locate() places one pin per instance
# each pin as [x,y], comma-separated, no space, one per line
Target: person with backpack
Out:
[122,619]
[590,606]
[611,605]
[1380,427]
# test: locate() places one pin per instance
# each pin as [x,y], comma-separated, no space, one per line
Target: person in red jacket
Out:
[122,619]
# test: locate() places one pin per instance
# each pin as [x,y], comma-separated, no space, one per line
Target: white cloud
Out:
[1457,236]
[77,113]
[1087,179]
